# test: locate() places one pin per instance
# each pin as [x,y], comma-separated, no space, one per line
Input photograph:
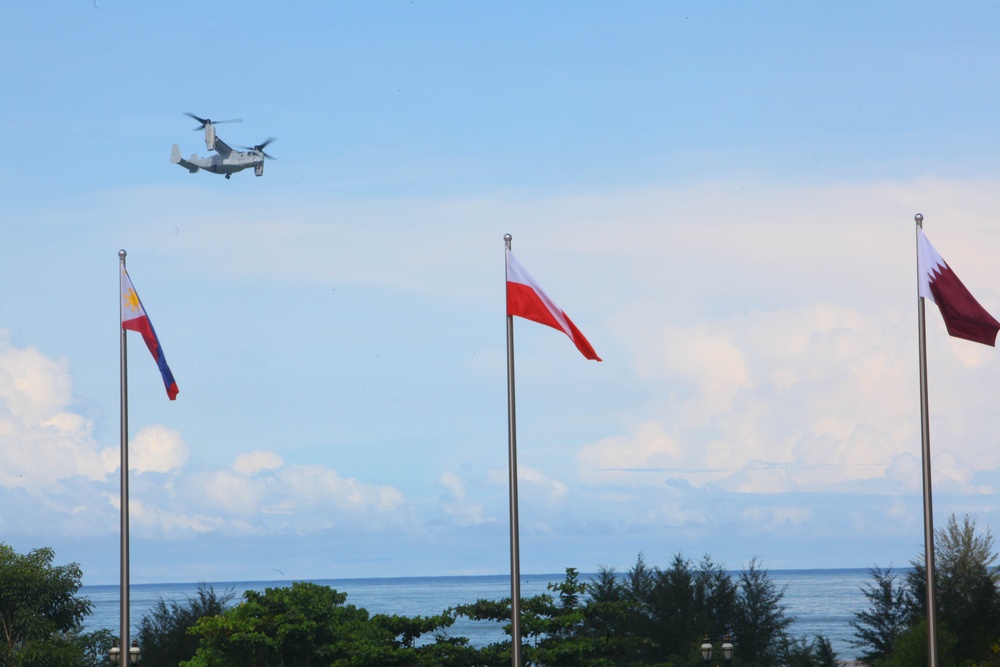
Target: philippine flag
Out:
[526,299]
[963,316]
[134,318]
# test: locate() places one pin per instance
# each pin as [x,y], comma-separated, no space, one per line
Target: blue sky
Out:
[721,195]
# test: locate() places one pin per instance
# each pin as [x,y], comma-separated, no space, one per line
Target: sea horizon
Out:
[390,578]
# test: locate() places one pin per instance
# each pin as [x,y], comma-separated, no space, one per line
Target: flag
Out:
[963,316]
[134,318]
[526,299]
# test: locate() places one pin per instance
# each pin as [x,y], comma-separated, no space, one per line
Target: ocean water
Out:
[823,602]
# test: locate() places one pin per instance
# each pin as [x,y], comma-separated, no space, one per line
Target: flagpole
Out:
[124,643]
[515,547]
[925,441]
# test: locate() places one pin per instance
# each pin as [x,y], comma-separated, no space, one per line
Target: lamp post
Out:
[706,650]
[133,653]
[727,649]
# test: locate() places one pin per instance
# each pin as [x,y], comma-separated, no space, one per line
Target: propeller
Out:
[209,121]
[259,148]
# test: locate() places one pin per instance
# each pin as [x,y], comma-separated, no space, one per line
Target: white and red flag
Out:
[526,299]
[963,316]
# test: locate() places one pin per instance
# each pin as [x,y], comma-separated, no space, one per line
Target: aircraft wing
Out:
[222,148]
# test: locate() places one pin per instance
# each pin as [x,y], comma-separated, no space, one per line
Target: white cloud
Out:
[320,488]
[157,449]
[711,360]
[771,401]
[533,482]
[152,519]
[34,387]
[304,499]
[252,463]
[617,458]
[42,441]
[555,489]
[778,517]
[458,505]
[50,454]
[227,494]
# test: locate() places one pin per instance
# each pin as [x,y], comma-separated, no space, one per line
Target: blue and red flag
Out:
[134,318]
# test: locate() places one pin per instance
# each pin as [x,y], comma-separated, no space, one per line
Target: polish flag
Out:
[526,299]
[134,318]
[963,316]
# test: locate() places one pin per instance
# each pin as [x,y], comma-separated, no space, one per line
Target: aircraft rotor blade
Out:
[259,148]
[209,121]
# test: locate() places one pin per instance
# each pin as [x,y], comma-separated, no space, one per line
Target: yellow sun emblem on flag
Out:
[131,300]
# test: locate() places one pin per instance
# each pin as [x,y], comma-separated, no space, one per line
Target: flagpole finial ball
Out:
[919,217]
[507,238]
[121,253]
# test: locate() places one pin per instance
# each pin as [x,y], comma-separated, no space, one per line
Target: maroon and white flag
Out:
[525,298]
[963,316]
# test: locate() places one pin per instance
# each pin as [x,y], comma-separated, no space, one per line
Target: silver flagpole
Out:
[124,592]
[515,547]
[925,440]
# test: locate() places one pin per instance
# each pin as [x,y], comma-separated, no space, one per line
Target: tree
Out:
[823,653]
[613,616]
[163,632]
[684,604]
[803,653]
[761,624]
[310,625]
[305,624]
[716,595]
[673,608]
[967,591]
[911,648]
[565,631]
[40,613]
[876,629]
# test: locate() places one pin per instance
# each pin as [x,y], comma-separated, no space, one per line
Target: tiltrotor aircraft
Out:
[226,160]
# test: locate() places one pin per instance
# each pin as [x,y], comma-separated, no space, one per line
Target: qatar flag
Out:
[963,316]
[134,318]
[526,299]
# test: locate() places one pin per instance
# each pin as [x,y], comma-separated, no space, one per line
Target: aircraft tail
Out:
[175,158]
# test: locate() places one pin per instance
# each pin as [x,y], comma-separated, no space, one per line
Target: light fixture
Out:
[115,654]
[706,649]
[727,649]
[133,653]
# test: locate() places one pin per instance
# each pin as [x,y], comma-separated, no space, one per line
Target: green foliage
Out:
[802,653]
[674,612]
[95,647]
[647,617]
[823,653]
[654,617]
[993,658]
[310,625]
[876,628]
[614,616]
[761,623]
[911,648]
[967,591]
[40,613]
[163,632]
